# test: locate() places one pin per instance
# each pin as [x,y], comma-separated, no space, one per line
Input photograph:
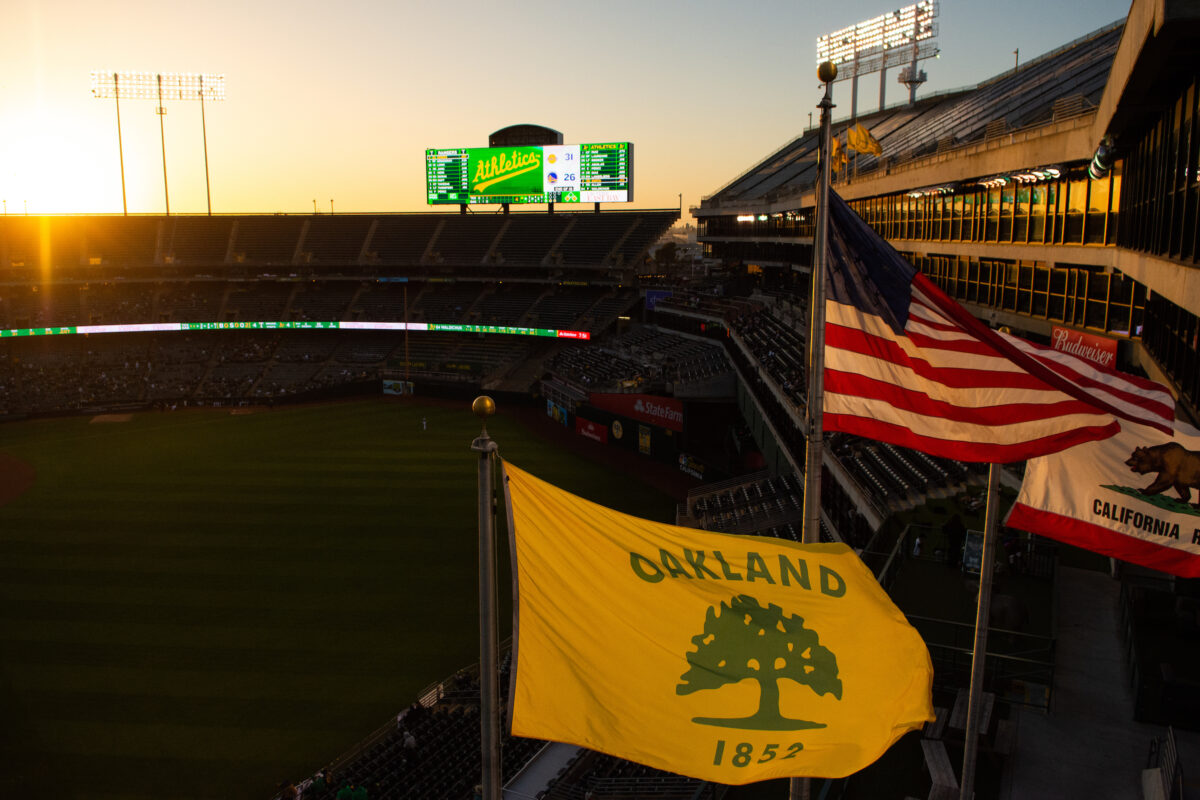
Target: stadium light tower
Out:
[908,34]
[160,86]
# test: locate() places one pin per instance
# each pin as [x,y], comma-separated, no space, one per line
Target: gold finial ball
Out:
[827,71]
[483,406]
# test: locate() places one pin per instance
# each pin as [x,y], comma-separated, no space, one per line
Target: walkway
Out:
[1088,746]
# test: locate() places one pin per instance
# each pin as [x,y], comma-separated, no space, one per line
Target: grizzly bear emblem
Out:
[1175,466]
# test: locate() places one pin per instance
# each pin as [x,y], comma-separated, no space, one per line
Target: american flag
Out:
[906,364]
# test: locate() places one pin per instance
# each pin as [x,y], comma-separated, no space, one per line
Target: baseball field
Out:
[201,604]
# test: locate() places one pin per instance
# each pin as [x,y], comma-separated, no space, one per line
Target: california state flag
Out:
[1134,496]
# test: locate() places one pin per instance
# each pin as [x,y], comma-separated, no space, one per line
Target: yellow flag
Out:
[727,658]
[860,139]
[837,159]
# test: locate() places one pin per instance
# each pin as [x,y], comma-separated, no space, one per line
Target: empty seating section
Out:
[607,309]
[245,346]
[591,238]
[677,358]
[444,302]
[365,347]
[229,381]
[281,379]
[197,240]
[465,240]
[384,302]
[131,241]
[114,303]
[196,301]
[779,348]
[22,307]
[172,381]
[324,300]
[106,247]
[258,301]
[562,308]
[306,346]
[267,240]
[508,304]
[402,239]
[530,241]
[759,504]
[1022,98]
[603,776]
[595,368]
[647,230]
[1018,99]
[895,476]
[334,239]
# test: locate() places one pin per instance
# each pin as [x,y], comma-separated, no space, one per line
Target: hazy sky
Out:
[338,100]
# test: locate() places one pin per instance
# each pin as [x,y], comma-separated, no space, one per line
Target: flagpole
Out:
[979,654]
[799,788]
[489,716]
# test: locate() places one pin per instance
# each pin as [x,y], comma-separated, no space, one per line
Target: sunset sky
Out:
[338,101]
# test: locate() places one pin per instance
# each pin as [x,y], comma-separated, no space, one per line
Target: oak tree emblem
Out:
[742,639]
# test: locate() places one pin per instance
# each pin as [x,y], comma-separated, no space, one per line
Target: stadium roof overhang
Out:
[1158,53]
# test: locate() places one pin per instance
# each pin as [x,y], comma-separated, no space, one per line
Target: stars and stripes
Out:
[906,364]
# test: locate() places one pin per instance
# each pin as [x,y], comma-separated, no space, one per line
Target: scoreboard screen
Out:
[563,173]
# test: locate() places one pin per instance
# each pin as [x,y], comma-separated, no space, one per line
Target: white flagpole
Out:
[799,788]
[489,706]
[978,656]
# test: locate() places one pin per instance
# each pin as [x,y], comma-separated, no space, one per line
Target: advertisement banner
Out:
[666,412]
[397,387]
[654,295]
[1100,350]
[689,465]
[591,430]
[557,413]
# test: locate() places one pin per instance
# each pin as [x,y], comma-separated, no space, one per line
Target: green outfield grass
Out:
[199,604]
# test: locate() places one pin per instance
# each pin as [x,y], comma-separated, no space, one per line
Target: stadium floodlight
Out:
[160,86]
[907,35]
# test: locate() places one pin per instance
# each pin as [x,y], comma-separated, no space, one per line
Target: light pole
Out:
[162,111]
[160,86]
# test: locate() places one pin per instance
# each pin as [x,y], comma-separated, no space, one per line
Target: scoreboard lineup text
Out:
[572,173]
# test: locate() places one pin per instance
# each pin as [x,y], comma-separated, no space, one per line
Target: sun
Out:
[49,167]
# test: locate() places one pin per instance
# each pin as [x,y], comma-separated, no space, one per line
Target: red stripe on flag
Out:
[858,341]
[920,403]
[964,450]
[1106,541]
[1036,367]
[1154,407]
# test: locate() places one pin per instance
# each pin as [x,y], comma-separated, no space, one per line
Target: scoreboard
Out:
[570,173]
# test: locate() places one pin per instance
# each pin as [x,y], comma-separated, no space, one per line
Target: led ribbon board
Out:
[291,324]
[565,173]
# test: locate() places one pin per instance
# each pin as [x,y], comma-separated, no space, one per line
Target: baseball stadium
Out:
[238,519]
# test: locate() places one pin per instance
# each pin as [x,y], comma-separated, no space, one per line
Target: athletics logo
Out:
[503,166]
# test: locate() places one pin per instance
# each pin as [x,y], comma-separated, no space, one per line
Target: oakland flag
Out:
[727,658]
